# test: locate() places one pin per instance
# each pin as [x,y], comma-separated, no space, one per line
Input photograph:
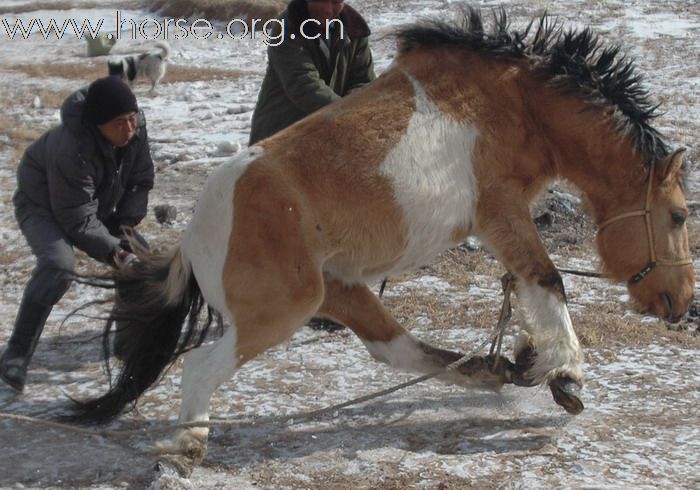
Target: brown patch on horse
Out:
[354,127]
[359,225]
[273,282]
[468,94]
[300,202]
[356,307]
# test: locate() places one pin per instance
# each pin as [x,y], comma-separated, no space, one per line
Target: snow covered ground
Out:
[640,428]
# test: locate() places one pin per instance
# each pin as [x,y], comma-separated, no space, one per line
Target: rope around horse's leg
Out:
[507,282]
[496,339]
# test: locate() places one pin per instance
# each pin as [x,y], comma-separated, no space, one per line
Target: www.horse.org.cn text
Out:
[272,32]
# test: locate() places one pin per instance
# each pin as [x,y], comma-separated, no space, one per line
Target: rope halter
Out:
[646,213]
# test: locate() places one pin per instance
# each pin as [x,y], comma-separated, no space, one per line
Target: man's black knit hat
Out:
[108,98]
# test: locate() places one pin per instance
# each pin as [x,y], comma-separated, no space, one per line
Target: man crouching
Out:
[78,185]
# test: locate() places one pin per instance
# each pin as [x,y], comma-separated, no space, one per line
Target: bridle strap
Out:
[646,213]
[621,216]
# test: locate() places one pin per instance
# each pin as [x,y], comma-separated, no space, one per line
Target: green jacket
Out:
[301,78]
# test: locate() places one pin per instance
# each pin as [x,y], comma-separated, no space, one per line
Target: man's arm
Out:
[299,76]
[361,70]
[71,183]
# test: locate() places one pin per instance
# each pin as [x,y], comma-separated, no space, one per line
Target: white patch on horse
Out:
[204,369]
[401,352]
[431,169]
[548,323]
[205,242]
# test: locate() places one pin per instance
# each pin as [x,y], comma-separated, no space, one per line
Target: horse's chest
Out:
[432,176]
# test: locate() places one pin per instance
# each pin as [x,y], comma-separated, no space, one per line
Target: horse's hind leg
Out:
[204,369]
[268,303]
[356,307]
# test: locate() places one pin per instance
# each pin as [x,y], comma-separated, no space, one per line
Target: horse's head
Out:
[647,245]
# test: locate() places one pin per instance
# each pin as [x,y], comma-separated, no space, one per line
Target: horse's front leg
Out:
[547,351]
[387,341]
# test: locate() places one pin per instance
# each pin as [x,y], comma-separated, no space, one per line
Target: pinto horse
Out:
[456,138]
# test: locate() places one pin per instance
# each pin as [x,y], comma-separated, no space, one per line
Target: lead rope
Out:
[507,282]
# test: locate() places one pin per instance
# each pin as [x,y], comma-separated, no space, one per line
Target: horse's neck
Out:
[592,154]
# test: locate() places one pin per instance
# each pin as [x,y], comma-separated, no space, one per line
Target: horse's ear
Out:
[670,166]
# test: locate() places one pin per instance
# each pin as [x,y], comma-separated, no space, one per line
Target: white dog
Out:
[150,66]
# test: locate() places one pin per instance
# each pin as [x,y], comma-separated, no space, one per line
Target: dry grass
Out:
[178,74]
[20,135]
[91,70]
[222,10]
[87,70]
[601,327]
[457,267]
[66,5]
[605,327]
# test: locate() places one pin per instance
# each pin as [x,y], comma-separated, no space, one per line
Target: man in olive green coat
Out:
[311,68]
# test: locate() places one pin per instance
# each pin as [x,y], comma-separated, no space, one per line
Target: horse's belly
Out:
[365,264]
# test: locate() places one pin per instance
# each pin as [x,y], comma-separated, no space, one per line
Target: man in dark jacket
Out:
[311,68]
[77,185]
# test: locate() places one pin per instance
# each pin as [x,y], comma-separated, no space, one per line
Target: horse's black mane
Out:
[575,61]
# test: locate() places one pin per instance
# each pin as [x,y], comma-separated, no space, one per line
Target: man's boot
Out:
[20,348]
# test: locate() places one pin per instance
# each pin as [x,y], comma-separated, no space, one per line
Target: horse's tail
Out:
[154,301]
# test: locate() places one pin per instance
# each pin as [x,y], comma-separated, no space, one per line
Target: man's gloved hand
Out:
[123,259]
[125,232]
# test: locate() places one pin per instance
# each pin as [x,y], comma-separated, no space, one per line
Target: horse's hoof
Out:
[565,392]
[171,464]
[187,450]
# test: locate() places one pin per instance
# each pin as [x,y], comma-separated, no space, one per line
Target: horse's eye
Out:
[678,218]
